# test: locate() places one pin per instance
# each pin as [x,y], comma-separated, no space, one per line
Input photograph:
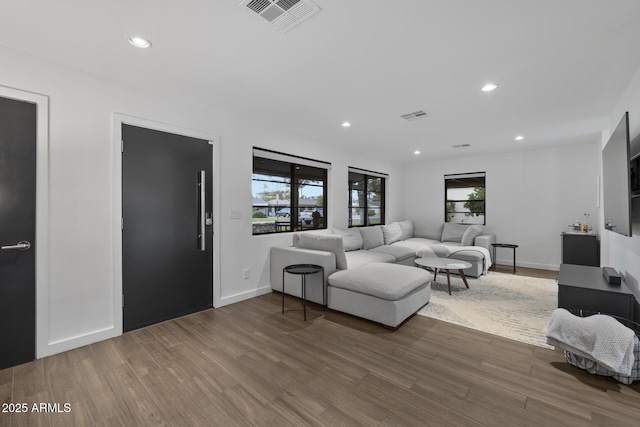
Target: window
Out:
[465,198]
[366,197]
[289,193]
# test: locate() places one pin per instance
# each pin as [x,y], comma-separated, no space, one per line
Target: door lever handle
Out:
[21,246]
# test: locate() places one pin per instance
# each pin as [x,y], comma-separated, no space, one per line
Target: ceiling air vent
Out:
[282,14]
[416,115]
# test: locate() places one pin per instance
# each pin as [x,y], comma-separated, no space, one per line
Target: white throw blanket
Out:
[444,251]
[599,338]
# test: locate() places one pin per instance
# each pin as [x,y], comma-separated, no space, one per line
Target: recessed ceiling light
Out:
[346,124]
[489,87]
[140,42]
[519,138]
[416,152]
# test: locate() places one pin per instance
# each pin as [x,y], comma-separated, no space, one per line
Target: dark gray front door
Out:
[17,232]
[166,258]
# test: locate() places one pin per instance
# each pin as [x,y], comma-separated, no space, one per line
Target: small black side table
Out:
[304,270]
[504,245]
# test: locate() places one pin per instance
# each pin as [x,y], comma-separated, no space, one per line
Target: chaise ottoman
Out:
[381,292]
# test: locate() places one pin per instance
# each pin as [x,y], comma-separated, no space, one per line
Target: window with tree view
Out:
[366,198]
[465,198]
[287,195]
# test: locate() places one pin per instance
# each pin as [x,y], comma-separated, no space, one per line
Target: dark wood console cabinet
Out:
[580,249]
[583,287]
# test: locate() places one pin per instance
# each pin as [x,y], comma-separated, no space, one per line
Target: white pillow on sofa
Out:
[391,233]
[372,237]
[351,238]
[327,243]
[470,234]
[453,232]
[427,230]
[407,229]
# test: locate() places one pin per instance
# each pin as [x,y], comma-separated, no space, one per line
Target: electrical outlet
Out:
[247,273]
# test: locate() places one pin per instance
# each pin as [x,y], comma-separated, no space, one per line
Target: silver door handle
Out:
[203,218]
[21,246]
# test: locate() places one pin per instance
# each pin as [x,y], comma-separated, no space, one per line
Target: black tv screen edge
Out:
[616,179]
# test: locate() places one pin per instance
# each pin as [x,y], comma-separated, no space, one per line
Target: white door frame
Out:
[42,211]
[117,121]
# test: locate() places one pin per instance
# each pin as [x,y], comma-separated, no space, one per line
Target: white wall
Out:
[532,197]
[80,307]
[620,252]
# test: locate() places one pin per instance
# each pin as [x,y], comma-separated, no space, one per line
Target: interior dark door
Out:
[17,232]
[166,260]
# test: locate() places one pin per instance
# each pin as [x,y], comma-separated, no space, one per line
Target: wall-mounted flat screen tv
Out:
[616,180]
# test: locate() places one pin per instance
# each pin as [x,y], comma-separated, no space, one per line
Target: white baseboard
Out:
[77,341]
[244,296]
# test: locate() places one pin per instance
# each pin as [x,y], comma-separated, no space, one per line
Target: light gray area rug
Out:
[514,307]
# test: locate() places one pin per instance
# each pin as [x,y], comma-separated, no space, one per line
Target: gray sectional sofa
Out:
[348,251]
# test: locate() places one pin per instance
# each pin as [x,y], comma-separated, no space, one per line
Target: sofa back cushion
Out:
[371,237]
[453,232]
[351,238]
[391,233]
[295,238]
[407,229]
[427,230]
[327,243]
[470,234]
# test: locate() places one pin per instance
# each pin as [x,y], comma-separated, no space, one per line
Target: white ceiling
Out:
[561,65]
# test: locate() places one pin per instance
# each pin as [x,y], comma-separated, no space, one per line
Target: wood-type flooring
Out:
[246,364]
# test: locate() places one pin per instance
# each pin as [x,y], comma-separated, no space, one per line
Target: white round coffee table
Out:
[444,264]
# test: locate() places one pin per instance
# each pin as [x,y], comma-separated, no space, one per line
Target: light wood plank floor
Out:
[246,364]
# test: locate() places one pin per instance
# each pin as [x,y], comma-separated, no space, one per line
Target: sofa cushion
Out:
[427,230]
[453,232]
[407,229]
[372,236]
[399,252]
[465,255]
[470,234]
[387,281]
[351,238]
[416,243]
[328,243]
[295,239]
[391,233]
[359,258]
